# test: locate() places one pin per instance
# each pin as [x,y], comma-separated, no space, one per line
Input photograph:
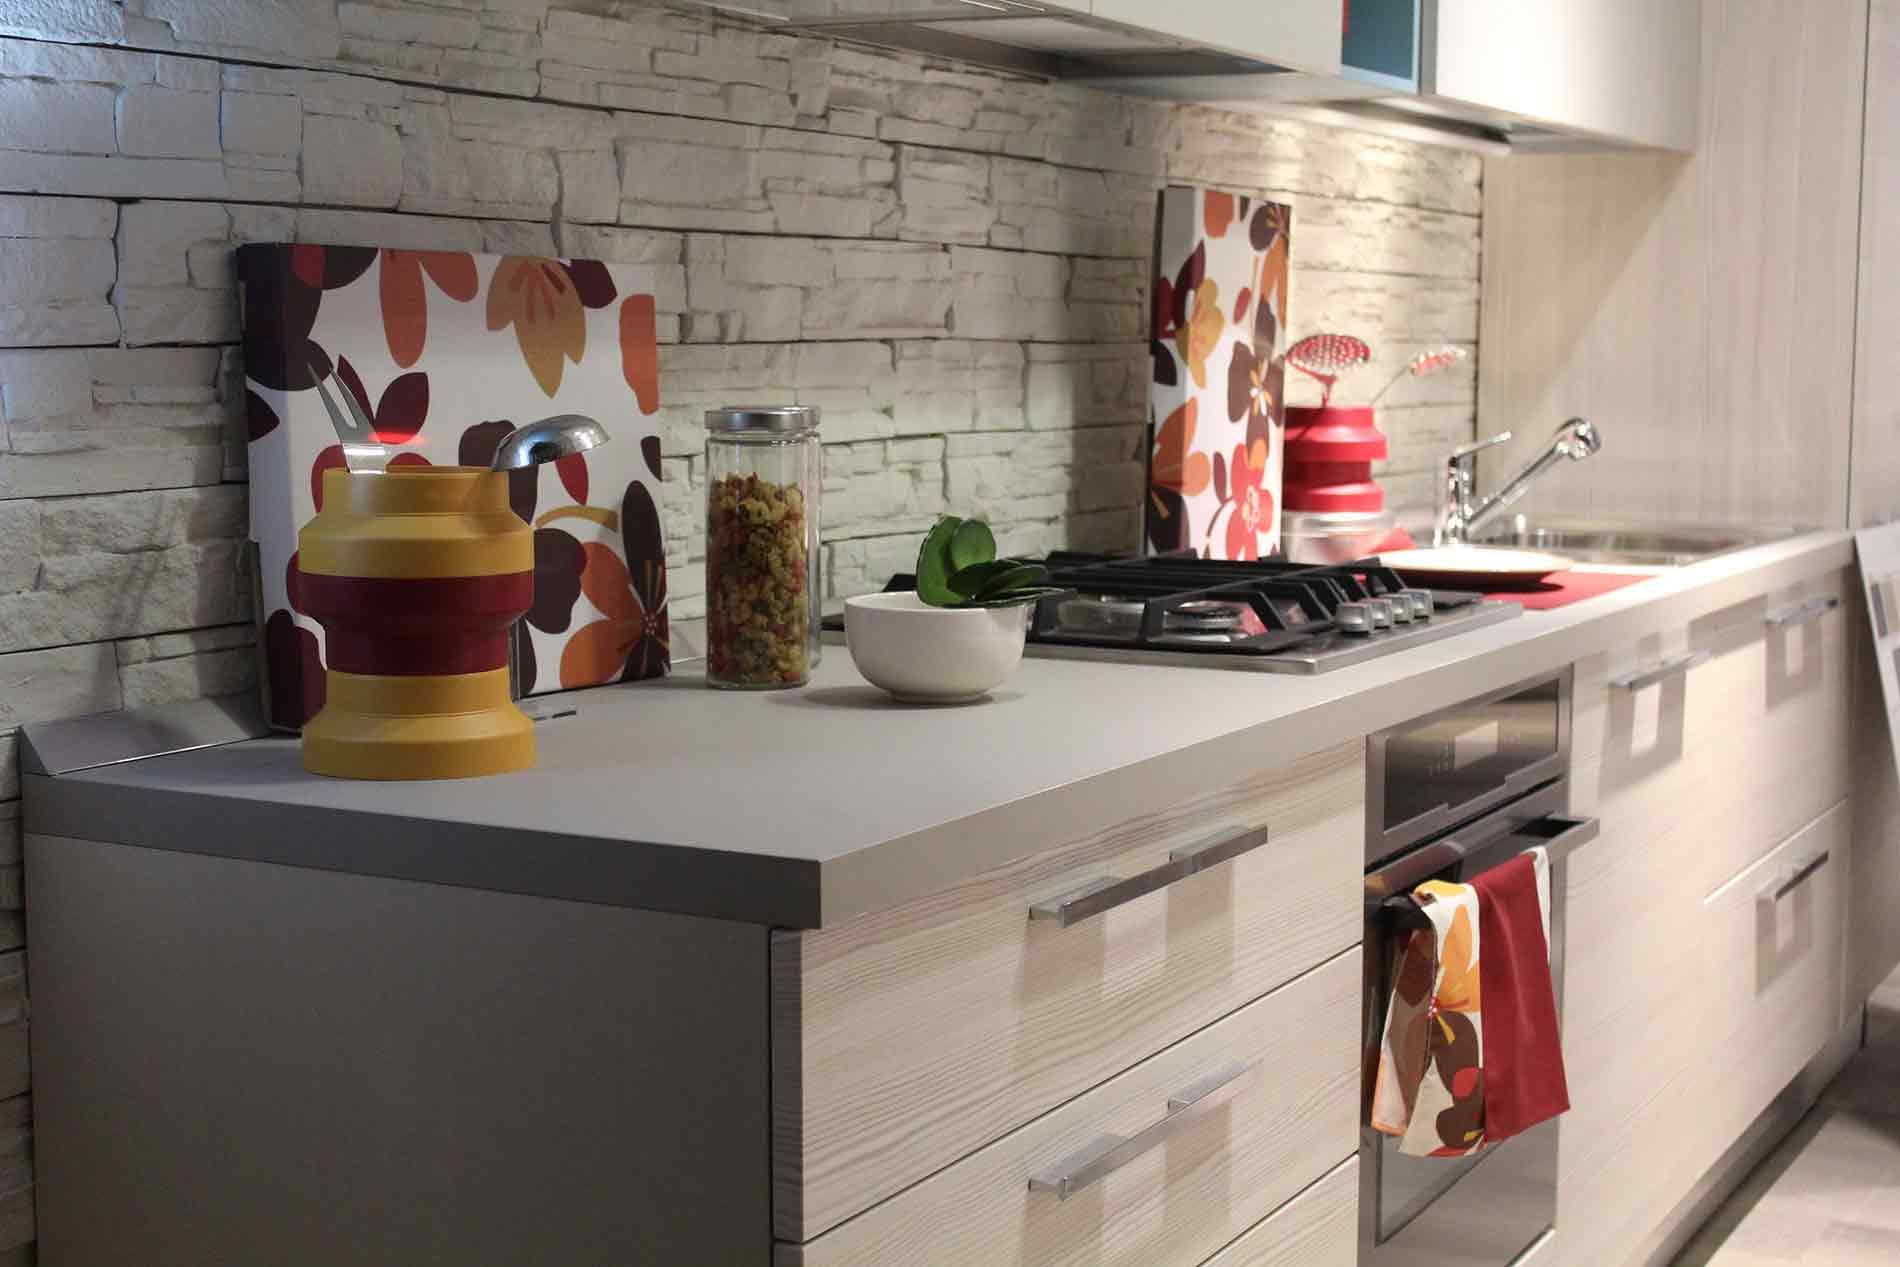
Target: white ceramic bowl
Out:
[933,655]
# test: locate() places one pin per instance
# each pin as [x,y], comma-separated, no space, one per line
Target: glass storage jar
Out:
[764,466]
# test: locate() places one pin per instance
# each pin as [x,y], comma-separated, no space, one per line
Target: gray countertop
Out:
[802,808]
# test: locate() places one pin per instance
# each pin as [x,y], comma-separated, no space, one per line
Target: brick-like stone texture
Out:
[951,262]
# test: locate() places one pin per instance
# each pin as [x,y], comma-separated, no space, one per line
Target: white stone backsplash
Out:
[951,263]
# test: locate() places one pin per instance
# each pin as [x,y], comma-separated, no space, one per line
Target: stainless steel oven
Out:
[1451,796]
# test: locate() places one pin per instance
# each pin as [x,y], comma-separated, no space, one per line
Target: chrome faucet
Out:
[1462,512]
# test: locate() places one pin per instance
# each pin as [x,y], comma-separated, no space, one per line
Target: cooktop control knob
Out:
[1421,604]
[1381,612]
[1401,608]
[1353,618]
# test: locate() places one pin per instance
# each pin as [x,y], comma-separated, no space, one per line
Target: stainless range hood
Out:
[1497,76]
[1014,35]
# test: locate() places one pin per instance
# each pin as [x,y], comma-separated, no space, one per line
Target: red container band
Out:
[1329,457]
[416,626]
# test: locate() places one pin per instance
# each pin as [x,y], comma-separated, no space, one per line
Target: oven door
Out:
[1428,775]
[1478,1211]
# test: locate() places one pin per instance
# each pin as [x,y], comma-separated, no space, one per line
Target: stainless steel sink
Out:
[1647,545]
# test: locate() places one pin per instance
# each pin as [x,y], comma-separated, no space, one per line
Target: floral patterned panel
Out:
[1217,405]
[446,352]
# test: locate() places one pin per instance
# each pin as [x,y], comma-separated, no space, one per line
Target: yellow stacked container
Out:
[417,576]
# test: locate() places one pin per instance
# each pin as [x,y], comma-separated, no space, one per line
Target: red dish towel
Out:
[1523,1055]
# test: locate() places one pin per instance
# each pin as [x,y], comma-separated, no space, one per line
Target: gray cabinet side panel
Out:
[243,1064]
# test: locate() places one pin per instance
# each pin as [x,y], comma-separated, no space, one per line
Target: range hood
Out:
[1392,75]
[1007,34]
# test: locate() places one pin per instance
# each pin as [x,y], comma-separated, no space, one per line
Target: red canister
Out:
[1329,455]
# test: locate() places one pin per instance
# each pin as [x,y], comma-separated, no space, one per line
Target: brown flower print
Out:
[1251,394]
[538,297]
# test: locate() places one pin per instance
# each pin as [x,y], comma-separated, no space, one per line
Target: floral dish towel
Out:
[1430,1090]
[1430,1087]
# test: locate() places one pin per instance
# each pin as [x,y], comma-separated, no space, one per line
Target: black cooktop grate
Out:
[1209,607]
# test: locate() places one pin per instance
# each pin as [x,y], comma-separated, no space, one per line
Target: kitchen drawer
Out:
[1275,1095]
[1607,1211]
[1772,971]
[1740,745]
[1318,1228]
[907,1039]
[1632,991]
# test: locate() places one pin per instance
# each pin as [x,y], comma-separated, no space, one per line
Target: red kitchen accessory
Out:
[1327,356]
[1329,455]
[1425,363]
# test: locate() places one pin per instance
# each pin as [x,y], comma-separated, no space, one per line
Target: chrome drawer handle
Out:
[1788,881]
[1104,893]
[1674,666]
[1805,612]
[1109,1153]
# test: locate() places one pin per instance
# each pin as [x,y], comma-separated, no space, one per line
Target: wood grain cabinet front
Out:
[1723,738]
[1318,1228]
[906,1040]
[1773,947]
[1162,1166]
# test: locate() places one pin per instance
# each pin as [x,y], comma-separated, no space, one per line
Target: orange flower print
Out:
[405,301]
[1176,464]
[1201,331]
[598,652]
[639,351]
[1253,503]
[537,296]
[1218,211]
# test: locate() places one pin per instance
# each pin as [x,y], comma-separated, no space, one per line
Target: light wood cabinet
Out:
[1875,492]
[1288,1066]
[1772,945]
[1700,309]
[1707,781]
[905,1040]
[1624,69]
[1318,1228]
[1873,915]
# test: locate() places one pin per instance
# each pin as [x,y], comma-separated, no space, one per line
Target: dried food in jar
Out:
[757,578]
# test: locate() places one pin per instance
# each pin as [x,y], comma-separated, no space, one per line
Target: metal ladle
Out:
[548,440]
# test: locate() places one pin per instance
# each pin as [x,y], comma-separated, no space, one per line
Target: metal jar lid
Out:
[784,420]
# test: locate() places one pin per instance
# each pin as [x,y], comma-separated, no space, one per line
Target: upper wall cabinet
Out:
[1291,34]
[1205,40]
[1623,70]
[1514,75]
[1498,74]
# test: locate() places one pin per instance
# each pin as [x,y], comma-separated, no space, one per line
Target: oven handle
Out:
[1566,834]
[1105,893]
[1108,1153]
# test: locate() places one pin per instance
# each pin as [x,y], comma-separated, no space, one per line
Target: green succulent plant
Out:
[957,567]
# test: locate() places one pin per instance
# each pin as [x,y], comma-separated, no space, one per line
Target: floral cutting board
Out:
[447,352]
[1217,408]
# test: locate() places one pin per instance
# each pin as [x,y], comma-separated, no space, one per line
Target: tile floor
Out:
[1830,1195]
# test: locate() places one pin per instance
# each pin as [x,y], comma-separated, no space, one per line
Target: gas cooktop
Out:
[1268,615]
